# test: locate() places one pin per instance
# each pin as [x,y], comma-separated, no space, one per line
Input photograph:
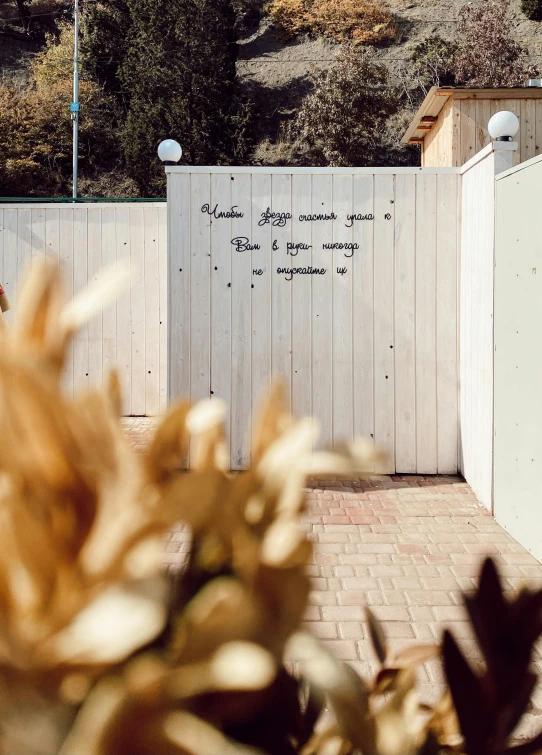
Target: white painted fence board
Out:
[137,296]
[322,312]
[109,314]
[80,282]
[163,299]
[221,291]
[342,259]
[301,286]
[152,312]
[9,255]
[52,235]
[404,345]
[476,326]
[447,351]
[363,308]
[179,288]
[384,376]
[2,249]
[24,244]
[200,315]
[426,368]
[264,260]
[241,281]
[66,260]
[124,311]
[37,233]
[281,290]
[95,329]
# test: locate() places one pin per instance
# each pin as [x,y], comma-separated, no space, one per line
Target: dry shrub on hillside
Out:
[343,118]
[488,55]
[360,21]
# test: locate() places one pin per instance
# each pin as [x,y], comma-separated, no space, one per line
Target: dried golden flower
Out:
[102,654]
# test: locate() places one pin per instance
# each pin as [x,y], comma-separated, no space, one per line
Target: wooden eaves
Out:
[436,98]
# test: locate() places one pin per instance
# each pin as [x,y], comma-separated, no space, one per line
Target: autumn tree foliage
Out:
[344,115]
[35,123]
[488,55]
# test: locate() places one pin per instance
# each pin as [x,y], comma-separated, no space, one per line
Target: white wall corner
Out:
[505,156]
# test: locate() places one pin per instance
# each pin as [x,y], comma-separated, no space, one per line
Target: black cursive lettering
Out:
[279,218]
[320,216]
[350,245]
[233,213]
[293,249]
[354,217]
[241,244]
[289,272]
[341,270]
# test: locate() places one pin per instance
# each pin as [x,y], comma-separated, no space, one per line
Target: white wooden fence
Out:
[130,335]
[476,316]
[369,346]
[518,355]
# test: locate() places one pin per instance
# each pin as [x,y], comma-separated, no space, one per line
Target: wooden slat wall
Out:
[476,328]
[131,334]
[372,352]
[461,130]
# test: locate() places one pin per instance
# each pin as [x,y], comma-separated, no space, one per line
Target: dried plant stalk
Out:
[101,653]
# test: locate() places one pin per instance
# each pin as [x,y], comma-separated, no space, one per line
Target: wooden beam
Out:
[415,140]
[504,93]
[429,119]
[424,127]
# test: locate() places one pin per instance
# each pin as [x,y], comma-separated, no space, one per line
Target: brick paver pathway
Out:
[406,546]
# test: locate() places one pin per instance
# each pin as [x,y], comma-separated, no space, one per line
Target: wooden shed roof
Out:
[437,97]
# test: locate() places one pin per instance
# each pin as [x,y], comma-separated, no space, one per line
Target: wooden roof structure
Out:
[437,97]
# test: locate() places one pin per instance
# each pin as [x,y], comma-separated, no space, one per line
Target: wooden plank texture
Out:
[404,345]
[384,370]
[426,375]
[241,276]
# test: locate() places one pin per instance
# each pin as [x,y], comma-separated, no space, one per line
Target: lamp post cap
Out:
[503,126]
[170,151]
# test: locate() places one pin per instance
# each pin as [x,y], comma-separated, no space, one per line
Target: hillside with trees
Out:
[296,82]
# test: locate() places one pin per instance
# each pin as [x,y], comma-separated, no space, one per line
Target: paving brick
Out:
[449,613]
[439,583]
[385,570]
[391,613]
[344,571]
[429,598]
[342,613]
[351,630]
[411,548]
[411,583]
[322,629]
[333,537]
[321,598]
[394,597]
[352,598]
[360,583]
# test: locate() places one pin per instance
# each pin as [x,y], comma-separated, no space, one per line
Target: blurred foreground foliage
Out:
[102,653]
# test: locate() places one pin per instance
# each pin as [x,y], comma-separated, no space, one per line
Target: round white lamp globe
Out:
[503,126]
[170,152]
